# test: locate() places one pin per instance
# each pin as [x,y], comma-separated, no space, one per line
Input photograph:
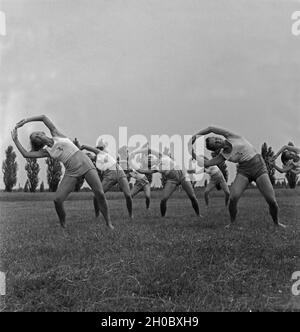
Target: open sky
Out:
[155,66]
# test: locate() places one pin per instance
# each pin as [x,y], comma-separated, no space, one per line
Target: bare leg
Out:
[135,190]
[265,186]
[106,185]
[66,186]
[124,185]
[147,191]
[94,182]
[239,186]
[188,188]
[96,207]
[210,187]
[226,190]
[168,191]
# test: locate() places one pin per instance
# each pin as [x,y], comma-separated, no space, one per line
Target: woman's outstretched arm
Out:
[213,130]
[90,148]
[295,171]
[215,161]
[207,131]
[27,154]
[286,147]
[43,118]
[284,169]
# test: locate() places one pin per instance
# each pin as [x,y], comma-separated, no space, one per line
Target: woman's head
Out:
[287,156]
[38,140]
[101,144]
[214,143]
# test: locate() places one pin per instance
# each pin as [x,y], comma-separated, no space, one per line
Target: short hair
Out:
[209,146]
[36,146]
[285,157]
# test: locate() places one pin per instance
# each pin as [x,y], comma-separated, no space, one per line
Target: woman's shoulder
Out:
[61,139]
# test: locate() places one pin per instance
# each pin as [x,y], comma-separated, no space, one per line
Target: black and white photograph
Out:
[150,154]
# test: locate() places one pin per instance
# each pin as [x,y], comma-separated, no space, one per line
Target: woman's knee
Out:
[99,193]
[127,195]
[164,200]
[58,200]
[193,198]
[272,202]
[234,198]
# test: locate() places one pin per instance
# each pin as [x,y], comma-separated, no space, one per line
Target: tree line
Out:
[54,172]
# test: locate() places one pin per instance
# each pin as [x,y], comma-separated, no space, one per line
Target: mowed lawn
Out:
[179,263]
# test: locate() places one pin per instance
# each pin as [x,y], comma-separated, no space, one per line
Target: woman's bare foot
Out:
[280,225]
[62,223]
[110,225]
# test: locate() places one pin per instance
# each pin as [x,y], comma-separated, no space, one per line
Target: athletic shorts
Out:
[253,168]
[112,176]
[141,183]
[78,165]
[175,176]
[217,179]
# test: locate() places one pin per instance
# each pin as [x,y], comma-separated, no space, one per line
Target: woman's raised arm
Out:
[90,148]
[213,130]
[27,154]
[42,118]
[284,169]
[215,161]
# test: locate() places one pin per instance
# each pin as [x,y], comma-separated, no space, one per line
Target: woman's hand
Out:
[194,138]
[14,134]
[20,123]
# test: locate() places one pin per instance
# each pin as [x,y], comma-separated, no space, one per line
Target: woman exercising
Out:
[251,167]
[110,173]
[76,164]
[165,165]
[290,158]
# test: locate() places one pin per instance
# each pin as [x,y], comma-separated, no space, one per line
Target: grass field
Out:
[149,264]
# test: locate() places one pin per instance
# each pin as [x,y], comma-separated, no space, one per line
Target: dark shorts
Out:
[112,176]
[141,183]
[253,168]
[175,176]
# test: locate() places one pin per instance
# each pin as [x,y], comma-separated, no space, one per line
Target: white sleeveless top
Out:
[62,150]
[105,161]
[242,150]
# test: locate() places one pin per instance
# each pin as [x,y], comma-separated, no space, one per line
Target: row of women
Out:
[101,170]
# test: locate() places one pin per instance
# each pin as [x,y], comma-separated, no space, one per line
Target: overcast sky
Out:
[155,66]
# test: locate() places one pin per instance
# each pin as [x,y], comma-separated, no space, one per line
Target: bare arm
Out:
[284,169]
[27,154]
[292,149]
[213,130]
[286,147]
[43,118]
[215,161]
[89,148]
